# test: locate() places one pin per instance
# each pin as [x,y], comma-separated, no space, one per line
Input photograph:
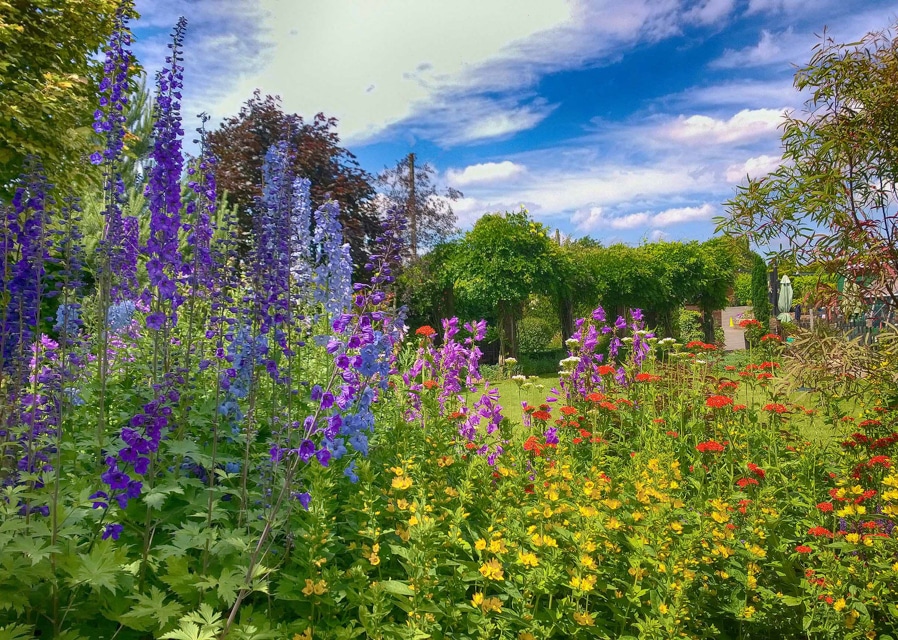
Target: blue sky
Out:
[625,120]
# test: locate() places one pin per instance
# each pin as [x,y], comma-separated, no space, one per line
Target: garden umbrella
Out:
[785,300]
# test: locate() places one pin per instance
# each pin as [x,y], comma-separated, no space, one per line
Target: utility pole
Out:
[412,208]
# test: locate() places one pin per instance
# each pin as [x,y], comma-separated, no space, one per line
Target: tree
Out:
[718,273]
[425,286]
[759,301]
[833,201]
[49,73]
[504,259]
[577,285]
[429,212]
[241,142]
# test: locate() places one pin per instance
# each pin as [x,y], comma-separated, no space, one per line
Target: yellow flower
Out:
[850,618]
[839,604]
[480,545]
[585,619]
[402,482]
[305,635]
[492,570]
[526,636]
[528,559]
[477,600]
[612,503]
[587,561]
[748,612]
[676,526]
[491,604]
[316,588]
[853,538]
[663,608]
[498,546]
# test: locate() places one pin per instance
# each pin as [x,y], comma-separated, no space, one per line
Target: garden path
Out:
[734,335]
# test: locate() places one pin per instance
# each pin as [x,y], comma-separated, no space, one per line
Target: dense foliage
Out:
[49,72]
[192,451]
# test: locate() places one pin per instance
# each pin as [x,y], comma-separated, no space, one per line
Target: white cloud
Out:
[486,172]
[781,6]
[753,167]
[710,12]
[597,219]
[749,94]
[744,125]
[768,50]
[683,214]
[375,64]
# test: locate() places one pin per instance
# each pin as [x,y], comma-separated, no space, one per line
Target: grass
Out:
[511,395]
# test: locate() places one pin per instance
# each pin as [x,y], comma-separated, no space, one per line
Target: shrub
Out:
[534,334]
[689,326]
[742,289]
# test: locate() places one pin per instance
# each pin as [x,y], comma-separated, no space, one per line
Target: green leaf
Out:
[100,569]
[397,587]
[151,612]
[16,631]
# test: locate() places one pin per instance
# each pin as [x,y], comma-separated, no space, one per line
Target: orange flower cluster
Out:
[426,331]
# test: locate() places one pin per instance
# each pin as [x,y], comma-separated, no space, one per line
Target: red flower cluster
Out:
[605,369]
[769,365]
[595,397]
[860,439]
[672,434]
[775,407]
[728,384]
[610,406]
[541,415]
[756,470]
[771,336]
[745,324]
[710,446]
[426,331]
[533,444]
[568,411]
[718,402]
[744,482]
[739,407]
[431,384]
[825,507]
[820,532]
[803,548]
[698,344]
[647,377]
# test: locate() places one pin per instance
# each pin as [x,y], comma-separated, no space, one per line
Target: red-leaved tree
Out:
[240,144]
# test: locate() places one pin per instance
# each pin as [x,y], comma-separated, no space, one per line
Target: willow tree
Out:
[833,203]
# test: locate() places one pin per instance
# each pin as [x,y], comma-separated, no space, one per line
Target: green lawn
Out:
[511,395]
